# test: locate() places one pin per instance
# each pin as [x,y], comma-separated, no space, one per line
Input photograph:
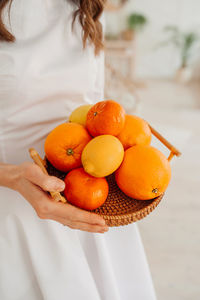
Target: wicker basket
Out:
[118,208]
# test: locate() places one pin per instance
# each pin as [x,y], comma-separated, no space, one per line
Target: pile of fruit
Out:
[100,140]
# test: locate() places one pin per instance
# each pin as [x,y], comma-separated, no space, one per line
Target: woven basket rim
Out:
[140,211]
[126,217]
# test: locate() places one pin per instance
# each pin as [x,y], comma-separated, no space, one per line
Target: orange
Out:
[105,117]
[64,146]
[136,131]
[144,173]
[85,191]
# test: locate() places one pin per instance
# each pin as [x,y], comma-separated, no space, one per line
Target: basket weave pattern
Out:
[118,208]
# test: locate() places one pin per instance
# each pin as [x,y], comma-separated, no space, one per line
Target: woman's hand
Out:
[32,184]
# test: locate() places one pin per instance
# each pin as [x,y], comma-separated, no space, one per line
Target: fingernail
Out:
[60,186]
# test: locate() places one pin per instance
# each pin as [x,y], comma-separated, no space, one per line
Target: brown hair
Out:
[88,12]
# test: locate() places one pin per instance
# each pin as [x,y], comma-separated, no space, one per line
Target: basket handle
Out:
[39,161]
[173,150]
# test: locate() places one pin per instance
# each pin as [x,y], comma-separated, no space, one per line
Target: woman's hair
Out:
[88,12]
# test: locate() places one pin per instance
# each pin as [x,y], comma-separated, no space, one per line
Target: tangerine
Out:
[105,117]
[84,190]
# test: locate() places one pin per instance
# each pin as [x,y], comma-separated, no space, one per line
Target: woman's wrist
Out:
[9,175]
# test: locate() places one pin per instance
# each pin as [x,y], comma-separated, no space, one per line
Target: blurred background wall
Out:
[162,62]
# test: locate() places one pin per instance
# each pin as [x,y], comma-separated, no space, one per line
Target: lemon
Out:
[102,155]
[79,114]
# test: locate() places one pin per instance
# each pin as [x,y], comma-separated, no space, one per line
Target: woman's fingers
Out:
[88,227]
[82,226]
[33,173]
[75,214]
[47,208]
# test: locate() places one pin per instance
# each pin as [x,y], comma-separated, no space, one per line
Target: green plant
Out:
[136,21]
[183,41]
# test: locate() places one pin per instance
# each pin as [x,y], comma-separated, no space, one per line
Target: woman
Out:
[47,68]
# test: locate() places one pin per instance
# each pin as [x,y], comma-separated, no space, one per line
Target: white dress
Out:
[44,75]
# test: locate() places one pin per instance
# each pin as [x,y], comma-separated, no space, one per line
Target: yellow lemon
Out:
[79,114]
[102,155]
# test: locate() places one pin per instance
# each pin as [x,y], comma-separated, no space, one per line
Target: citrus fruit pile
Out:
[100,140]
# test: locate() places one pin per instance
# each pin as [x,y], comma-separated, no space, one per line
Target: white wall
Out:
[161,62]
